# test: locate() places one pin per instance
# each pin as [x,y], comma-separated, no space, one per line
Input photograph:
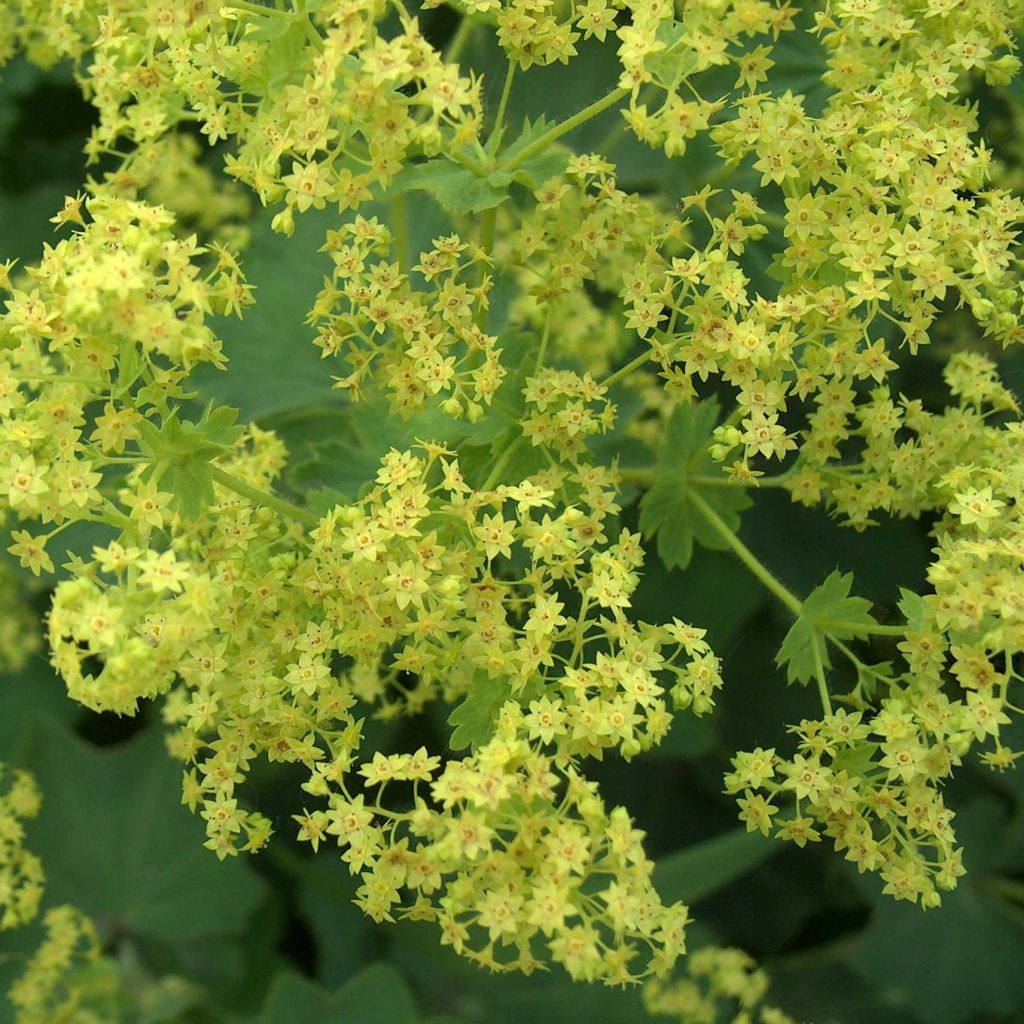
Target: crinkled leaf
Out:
[959,962]
[535,171]
[666,511]
[548,163]
[828,611]
[855,760]
[181,451]
[285,59]
[531,132]
[455,187]
[474,719]
[116,842]
[677,60]
[377,995]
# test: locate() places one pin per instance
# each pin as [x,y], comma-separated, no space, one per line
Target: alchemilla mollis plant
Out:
[574,376]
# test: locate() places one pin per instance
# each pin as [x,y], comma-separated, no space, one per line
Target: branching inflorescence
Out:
[485,566]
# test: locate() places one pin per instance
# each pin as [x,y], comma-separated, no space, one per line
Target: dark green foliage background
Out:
[274,939]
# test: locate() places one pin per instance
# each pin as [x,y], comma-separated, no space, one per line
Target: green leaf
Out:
[530,133]
[474,719]
[698,871]
[32,694]
[377,995]
[666,511]
[181,451]
[677,60]
[827,611]
[455,187]
[116,842]
[283,62]
[855,760]
[913,608]
[959,962]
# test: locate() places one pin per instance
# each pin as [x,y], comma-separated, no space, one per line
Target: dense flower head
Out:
[556,345]
[21,873]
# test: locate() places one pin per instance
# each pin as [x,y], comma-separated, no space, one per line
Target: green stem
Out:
[120,460]
[859,627]
[745,555]
[487,226]
[469,163]
[625,371]
[555,133]
[59,378]
[819,675]
[254,494]
[543,348]
[244,5]
[314,37]
[400,231]
[646,477]
[581,626]
[617,132]
[499,467]
[499,119]
[454,49]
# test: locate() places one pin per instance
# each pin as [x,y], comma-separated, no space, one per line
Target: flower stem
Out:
[745,555]
[458,41]
[566,126]
[400,231]
[645,477]
[254,494]
[625,371]
[819,675]
[499,467]
[499,119]
[259,9]
[487,226]
[859,627]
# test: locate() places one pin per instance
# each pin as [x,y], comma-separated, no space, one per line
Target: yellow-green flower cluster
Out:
[718,984]
[577,237]
[96,338]
[276,631]
[320,106]
[66,978]
[513,848]
[888,211]
[871,787]
[412,586]
[418,343]
[21,873]
[19,626]
[425,589]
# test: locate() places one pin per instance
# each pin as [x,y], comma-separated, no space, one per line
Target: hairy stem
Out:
[555,133]
[745,555]
[499,467]
[495,139]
